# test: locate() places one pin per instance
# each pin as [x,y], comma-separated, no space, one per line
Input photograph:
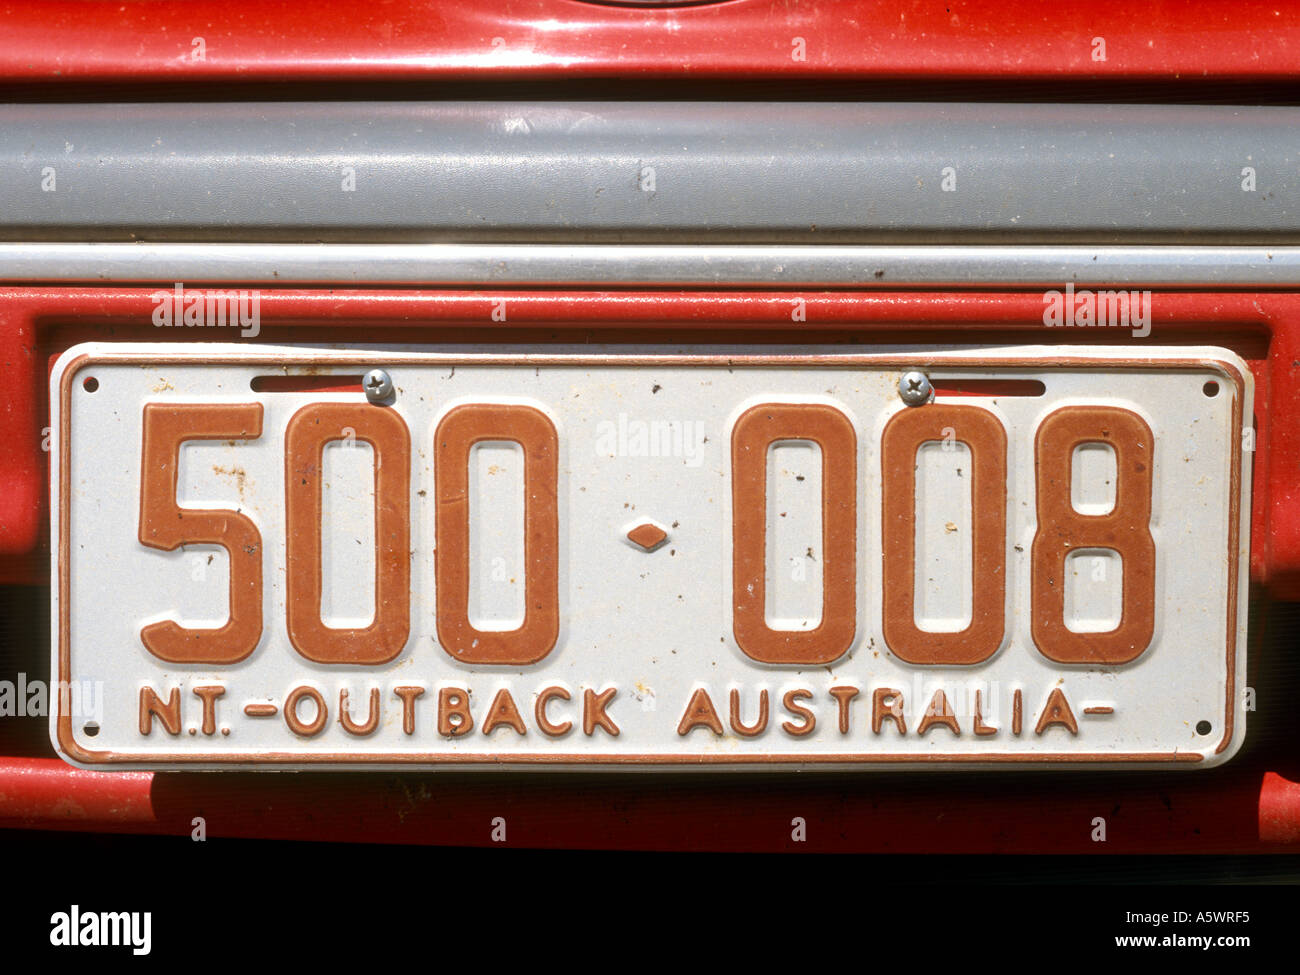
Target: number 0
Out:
[456,435]
[984,435]
[756,430]
[305,437]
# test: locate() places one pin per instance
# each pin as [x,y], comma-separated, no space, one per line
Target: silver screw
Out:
[378,385]
[915,389]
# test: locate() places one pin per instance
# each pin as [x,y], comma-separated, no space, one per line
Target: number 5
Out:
[165,525]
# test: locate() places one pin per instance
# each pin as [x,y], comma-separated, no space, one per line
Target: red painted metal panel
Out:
[1279,810]
[1241,811]
[273,40]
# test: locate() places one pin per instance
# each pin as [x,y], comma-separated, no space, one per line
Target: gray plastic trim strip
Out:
[656,265]
[706,172]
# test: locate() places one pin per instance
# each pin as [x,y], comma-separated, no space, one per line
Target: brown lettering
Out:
[453,702]
[887,702]
[208,694]
[789,701]
[738,726]
[843,695]
[502,711]
[169,714]
[593,711]
[372,715]
[939,712]
[295,723]
[700,713]
[408,694]
[980,727]
[1056,711]
[539,712]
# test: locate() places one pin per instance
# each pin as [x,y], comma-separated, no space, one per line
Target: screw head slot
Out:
[914,388]
[378,385]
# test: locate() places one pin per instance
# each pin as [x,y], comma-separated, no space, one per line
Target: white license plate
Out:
[650,557]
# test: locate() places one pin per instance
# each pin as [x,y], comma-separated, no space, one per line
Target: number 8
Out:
[1125,530]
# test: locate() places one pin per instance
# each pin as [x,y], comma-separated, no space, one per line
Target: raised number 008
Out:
[1060,529]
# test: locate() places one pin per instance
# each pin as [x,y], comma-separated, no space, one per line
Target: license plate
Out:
[648,557]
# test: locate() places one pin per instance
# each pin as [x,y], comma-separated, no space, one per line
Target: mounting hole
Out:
[1211,388]
[1204,727]
[91,728]
[90,384]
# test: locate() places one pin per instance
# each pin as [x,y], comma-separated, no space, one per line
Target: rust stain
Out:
[238,474]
